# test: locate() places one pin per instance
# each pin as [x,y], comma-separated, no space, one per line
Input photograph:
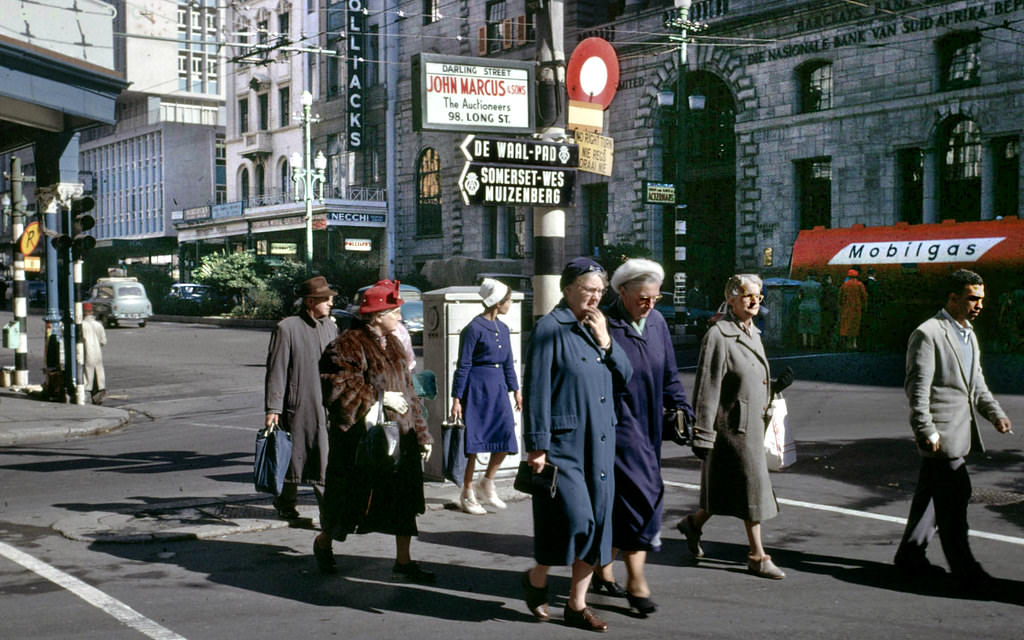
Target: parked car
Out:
[115,300]
[412,311]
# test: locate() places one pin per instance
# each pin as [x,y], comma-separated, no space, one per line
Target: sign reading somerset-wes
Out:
[495,184]
[454,93]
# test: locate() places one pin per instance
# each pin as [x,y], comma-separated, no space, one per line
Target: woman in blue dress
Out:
[483,378]
[640,403]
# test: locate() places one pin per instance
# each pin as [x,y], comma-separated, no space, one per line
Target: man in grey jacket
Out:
[947,391]
[293,394]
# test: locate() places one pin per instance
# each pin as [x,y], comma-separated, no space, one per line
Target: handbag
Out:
[536,484]
[378,450]
[677,426]
[779,445]
[453,450]
[273,455]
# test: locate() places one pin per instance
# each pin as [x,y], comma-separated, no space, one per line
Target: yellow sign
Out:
[33,264]
[30,238]
[596,152]
[586,115]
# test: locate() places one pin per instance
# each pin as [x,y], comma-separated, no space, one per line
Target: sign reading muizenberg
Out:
[454,93]
[904,251]
[495,184]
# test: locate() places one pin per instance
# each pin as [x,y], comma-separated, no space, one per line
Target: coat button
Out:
[603,438]
[603,476]
[602,398]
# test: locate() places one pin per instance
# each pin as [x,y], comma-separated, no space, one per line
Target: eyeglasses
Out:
[756,297]
[592,291]
[649,299]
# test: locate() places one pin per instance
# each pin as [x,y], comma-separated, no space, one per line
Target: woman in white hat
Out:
[483,379]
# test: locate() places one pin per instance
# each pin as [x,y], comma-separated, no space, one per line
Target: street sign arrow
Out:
[511,185]
[538,153]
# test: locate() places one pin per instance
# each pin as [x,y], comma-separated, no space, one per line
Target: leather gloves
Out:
[784,380]
[395,401]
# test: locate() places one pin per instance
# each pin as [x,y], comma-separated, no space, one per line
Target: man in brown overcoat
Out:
[293,393]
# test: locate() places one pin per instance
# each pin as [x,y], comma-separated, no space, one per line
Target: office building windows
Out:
[814,186]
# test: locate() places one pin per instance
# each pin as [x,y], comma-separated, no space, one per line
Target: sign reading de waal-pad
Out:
[532,152]
[454,93]
[511,185]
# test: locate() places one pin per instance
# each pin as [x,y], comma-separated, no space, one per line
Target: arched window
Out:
[243,192]
[286,179]
[815,80]
[428,194]
[961,171]
[959,60]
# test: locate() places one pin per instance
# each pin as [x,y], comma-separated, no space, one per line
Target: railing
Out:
[277,197]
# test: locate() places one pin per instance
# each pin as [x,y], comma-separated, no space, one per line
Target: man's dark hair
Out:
[960,279]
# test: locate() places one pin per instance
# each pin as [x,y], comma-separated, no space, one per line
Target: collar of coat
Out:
[955,343]
[310,320]
[564,315]
[618,317]
[730,328]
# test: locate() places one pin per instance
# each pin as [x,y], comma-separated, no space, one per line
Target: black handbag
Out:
[537,484]
[379,450]
[677,426]
[273,455]
[453,450]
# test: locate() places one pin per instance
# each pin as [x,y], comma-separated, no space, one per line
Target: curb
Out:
[246,323]
[93,427]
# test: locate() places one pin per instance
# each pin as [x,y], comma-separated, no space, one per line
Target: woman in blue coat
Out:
[643,334]
[483,379]
[569,421]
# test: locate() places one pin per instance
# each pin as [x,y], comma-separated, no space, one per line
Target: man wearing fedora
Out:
[293,394]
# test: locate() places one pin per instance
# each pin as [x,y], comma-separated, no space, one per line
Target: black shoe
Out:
[411,572]
[692,533]
[585,619]
[644,606]
[917,566]
[324,559]
[536,598]
[286,511]
[608,587]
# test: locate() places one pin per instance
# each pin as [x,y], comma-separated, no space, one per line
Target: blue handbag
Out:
[273,455]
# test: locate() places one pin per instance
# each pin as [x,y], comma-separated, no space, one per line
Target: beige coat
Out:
[944,397]
[732,396]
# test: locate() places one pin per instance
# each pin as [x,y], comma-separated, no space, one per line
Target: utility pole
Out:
[549,223]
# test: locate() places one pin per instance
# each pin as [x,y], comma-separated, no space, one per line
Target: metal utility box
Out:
[12,335]
[445,313]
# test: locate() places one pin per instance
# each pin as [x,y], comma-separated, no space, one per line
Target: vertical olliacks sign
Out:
[355,30]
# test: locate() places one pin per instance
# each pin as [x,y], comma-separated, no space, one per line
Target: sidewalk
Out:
[25,421]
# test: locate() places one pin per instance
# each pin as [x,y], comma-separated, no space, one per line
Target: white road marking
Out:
[92,595]
[861,514]
[224,426]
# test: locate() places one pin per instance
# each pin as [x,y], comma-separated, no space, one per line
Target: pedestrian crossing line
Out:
[998,537]
[223,426]
[109,605]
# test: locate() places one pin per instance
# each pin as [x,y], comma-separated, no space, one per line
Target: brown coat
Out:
[355,368]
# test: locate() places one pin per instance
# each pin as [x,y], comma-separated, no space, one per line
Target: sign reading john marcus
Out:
[453,93]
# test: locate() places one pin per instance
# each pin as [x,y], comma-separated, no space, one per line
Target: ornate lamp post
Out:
[310,175]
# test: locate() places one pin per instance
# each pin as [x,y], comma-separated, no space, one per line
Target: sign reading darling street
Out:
[454,93]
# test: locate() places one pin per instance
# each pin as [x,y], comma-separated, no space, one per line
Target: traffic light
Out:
[81,222]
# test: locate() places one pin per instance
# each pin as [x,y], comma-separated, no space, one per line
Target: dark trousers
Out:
[940,501]
[290,496]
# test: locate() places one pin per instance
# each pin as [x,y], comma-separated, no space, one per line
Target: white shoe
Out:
[469,504]
[490,494]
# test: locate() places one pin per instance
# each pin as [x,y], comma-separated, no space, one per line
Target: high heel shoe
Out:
[643,605]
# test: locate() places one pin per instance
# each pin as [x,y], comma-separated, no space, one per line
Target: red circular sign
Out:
[593,72]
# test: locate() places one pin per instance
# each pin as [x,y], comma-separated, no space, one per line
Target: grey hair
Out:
[736,283]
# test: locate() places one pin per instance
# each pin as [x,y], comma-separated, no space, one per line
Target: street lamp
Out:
[311,177]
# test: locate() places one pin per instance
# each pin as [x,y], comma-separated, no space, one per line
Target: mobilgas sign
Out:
[355,28]
[905,251]
[454,93]
[531,152]
[493,184]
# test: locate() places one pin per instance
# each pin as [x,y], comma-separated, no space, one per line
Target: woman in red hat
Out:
[362,367]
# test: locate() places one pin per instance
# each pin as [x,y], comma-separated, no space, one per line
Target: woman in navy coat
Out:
[483,379]
[643,334]
[569,421]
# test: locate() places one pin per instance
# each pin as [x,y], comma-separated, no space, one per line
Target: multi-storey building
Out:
[165,154]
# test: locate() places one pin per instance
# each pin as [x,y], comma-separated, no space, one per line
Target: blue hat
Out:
[576,268]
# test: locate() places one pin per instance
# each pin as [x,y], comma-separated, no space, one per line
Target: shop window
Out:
[814,185]
[961,171]
[815,80]
[910,167]
[428,194]
[959,60]
[1007,176]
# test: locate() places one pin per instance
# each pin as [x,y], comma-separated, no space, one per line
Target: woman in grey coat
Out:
[733,394]
[569,421]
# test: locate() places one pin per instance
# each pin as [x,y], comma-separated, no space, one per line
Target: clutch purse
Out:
[537,483]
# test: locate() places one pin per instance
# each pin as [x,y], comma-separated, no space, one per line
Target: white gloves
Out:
[395,401]
[426,450]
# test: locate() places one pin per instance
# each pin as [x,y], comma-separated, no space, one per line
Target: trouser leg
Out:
[952,494]
[921,520]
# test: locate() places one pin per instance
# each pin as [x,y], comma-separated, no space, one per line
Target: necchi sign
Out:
[453,93]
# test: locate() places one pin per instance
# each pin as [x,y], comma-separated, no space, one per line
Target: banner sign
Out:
[355,28]
[494,184]
[454,93]
[346,219]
